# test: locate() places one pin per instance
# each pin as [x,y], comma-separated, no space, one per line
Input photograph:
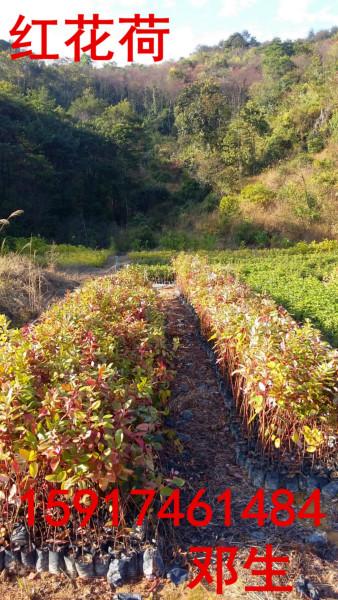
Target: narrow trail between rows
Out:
[205,458]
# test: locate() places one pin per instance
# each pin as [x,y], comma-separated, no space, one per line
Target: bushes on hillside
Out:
[257,193]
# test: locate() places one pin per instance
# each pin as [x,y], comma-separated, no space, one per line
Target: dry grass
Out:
[281,218]
[284,215]
[26,289]
[48,587]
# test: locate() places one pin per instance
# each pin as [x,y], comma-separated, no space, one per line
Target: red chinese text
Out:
[268,573]
[145,36]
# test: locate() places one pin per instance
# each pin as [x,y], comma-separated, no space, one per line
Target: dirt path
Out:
[56,283]
[112,264]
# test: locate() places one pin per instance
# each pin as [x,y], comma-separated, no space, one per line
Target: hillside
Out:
[236,144]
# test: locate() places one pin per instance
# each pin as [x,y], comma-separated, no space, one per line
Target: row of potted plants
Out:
[82,394]
[283,375]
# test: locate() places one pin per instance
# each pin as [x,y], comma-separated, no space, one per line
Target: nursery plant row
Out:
[303,278]
[283,375]
[301,249]
[81,395]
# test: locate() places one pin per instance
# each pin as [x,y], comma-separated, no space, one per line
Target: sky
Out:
[192,22]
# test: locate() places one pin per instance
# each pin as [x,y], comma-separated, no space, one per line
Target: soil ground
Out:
[205,459]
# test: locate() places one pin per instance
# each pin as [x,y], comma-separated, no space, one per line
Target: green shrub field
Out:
[303,279]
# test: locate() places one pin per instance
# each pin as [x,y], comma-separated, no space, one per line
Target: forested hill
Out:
[236,144]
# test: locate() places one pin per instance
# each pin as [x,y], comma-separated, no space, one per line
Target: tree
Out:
[240,147]
[41,100]
[202,112]
[276,59]
[87,106]
[121,125]
[4,46]
[237,40]
[254,114]
[86,61]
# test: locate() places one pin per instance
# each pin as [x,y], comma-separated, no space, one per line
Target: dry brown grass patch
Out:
[26,289]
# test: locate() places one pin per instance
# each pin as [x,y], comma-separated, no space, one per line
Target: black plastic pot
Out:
[101,565]
[117,572]
[153,565]
[134,566]
[28,558]
[177,575]
[19,536]
[85,569]
[2,559]
[128,597]
[12,559]
[70,566]
[56,563]
[42,561]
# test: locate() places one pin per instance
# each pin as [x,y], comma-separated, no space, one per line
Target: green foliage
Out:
[277,59]
[240,40]
[302,278]
[239,148]
[131,153]
[334,125]
[255,114]
[33,246]
[66,255]
[280,142]
[41,100]
[257,193]
[229,208]
[138,236]
[86,107]
[210,202]
[173,240]
[315,142]
[181,240]
[62,255]
[76,178]
[248,233]
[202,111]
[325,174]
[304,202]
[160,274]
[159,257]
[120,124]
[46,164]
